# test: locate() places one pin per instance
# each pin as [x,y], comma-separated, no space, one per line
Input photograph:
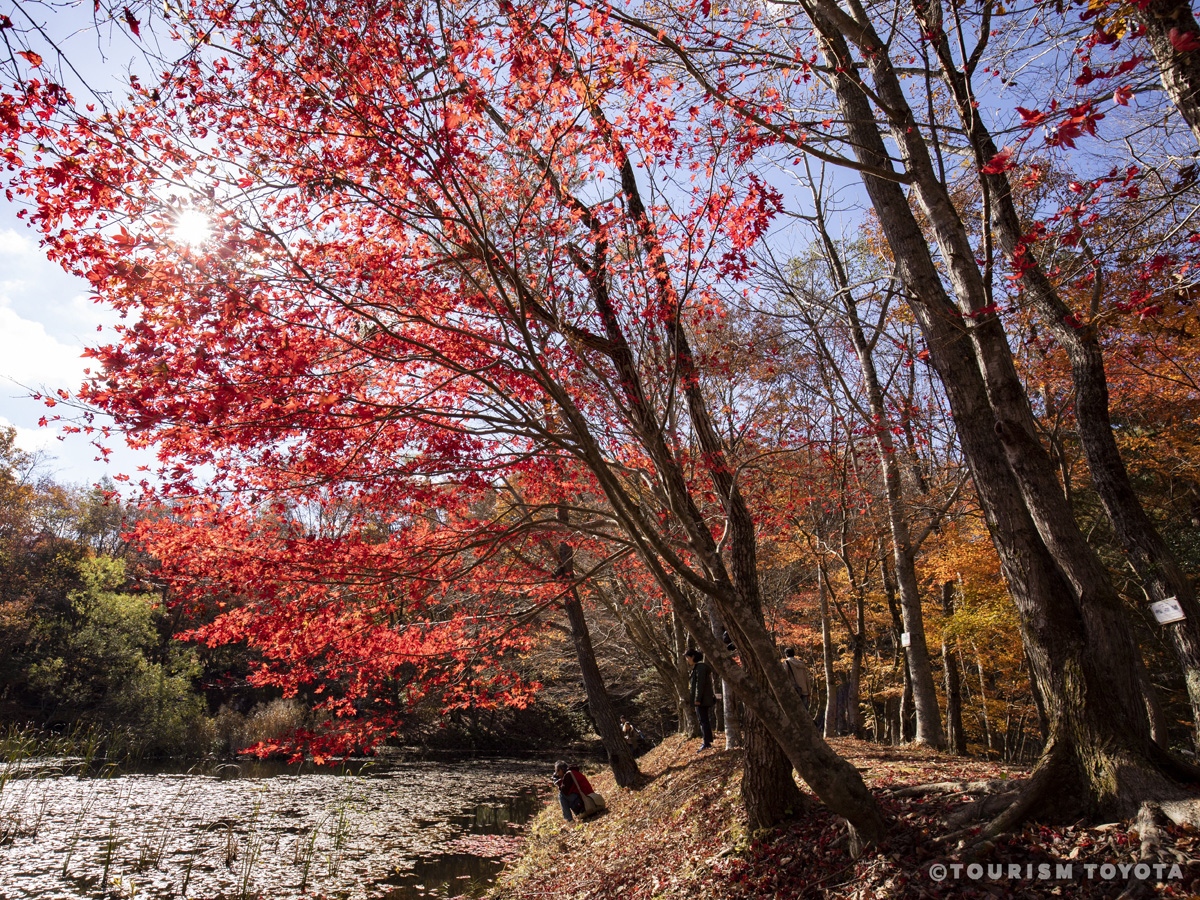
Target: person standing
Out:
[630,734]
[802,679]
[700,686]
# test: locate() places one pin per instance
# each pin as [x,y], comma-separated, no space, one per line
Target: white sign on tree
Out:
[1167,611]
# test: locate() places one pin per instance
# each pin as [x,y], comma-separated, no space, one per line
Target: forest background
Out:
[455,325]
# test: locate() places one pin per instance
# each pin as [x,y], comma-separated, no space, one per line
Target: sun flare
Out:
[192,227]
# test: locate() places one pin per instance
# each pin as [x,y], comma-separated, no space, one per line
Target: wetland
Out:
[238,831]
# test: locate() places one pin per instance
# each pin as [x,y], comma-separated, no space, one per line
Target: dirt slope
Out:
[682,835]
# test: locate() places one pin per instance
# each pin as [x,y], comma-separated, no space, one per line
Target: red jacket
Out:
[574,782]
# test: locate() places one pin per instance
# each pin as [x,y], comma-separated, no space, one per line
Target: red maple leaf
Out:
[1031,118]
[1184,41]
[1001,162]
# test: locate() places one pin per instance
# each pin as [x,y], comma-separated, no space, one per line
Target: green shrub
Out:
[102,662]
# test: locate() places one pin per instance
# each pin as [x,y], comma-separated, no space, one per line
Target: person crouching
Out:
[570,790]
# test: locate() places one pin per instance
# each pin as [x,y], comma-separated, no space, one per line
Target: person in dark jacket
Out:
[700,687]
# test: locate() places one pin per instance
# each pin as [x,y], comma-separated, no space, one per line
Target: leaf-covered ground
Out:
[682,835]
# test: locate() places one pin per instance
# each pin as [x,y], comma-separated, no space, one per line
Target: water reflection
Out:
[447,875]
[498,815]
[408,831]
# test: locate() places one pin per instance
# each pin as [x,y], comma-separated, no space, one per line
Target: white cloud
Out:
[31,440]
[38,290]
[13,243]
[33,358]
[46,317]
[85,314]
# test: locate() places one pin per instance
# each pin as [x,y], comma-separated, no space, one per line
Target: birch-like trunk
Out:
[830,719]
[956,737]
[928,716]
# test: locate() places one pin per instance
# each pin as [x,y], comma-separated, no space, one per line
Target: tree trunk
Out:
[838,784]
[769,793]
[928,718]
[905,730]
[859,642]
[663,650]
[1100,753]
[730,721]
[956,737]
[1156,566]
[1039,702]
[729,574]
[1154,710]
[895,733]
[1179,69]
[608,724]
[907,723]
[829,725]
[984,717]
[768,790]
[878,727]
[731,717]
[689,723]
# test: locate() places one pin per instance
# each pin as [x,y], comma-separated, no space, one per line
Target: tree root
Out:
[1160,801]
[984,808]
[1177,767]
[997,795]
[1150,821]
[990,786]
[1012,807]
[1152,817]
[1182,812]
[857,845]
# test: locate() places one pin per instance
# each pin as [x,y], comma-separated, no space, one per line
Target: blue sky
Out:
[47,318]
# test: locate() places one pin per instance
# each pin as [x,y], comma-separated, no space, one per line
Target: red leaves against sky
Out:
[425,260]
[360,357]
[1067,124]
[132,22]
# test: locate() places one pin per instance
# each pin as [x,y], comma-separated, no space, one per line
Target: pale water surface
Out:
[404,832]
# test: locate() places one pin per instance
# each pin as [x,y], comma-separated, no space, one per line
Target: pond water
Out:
[406,831]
